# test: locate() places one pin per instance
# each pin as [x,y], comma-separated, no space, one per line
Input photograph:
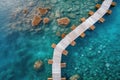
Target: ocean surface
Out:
[95,57]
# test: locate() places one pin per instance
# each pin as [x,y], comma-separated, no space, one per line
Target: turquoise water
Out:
[96,57]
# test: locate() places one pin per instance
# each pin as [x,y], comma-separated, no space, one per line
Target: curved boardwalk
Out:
[60,47]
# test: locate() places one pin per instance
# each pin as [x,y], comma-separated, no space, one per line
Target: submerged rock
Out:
[43,11]
[63,21]
[36,20]
[75,77]
[46,20]
[38,64]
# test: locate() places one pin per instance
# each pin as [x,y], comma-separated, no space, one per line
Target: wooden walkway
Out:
[66,41]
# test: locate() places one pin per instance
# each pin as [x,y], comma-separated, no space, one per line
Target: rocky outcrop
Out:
[42,11]
[36,20]
[63,21]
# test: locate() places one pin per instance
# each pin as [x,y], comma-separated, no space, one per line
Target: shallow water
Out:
[96,57]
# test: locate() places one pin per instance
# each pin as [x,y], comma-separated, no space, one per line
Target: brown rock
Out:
[38,64]
[63,21]
[46,20]
[36,20]
[42,11]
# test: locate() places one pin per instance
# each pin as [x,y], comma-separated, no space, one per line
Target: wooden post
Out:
[50,61]
[63,79]
[98,6]
[82,35]
[65,52]
[73,43]
[63,65]
[63,35]
[92,27]
[73,27]
[52,78]
[82,19]
[113,4]
[101,20]
[53,45]
[109,12]
[90,13]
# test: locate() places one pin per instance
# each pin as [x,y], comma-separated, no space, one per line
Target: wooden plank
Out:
[98,6]
[73,43]
[63,79]
[53,45]
[113,4]
[52,78]
[65,52]
[101,20]
[63,65]
[63,35]
[109,12]
[50,61]
[83,19]
[90,13]
[92,27]
[82,35]
[73,27]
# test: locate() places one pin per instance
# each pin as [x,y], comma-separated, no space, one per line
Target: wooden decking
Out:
[75,33]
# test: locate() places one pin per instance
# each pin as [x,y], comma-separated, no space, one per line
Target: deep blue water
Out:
[96,57]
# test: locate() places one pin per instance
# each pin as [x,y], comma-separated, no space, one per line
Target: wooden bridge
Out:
[59,49]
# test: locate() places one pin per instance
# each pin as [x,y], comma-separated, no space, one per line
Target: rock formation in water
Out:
[42,11]
[46,20]
[63,21]
[38,64]
[36,20]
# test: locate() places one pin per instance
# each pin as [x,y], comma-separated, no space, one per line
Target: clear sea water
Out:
[95,57]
